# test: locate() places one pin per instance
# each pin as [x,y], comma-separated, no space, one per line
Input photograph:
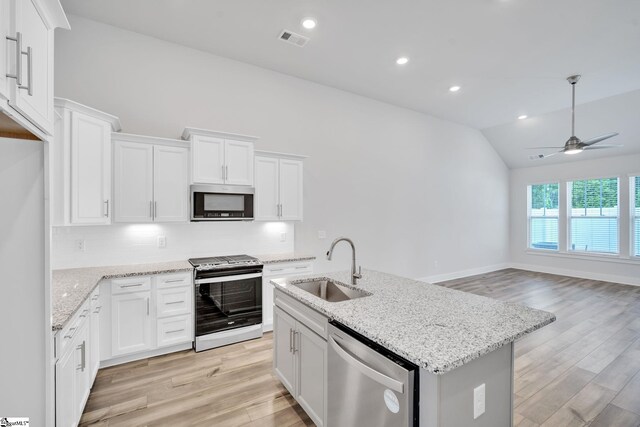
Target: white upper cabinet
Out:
[81,165]
[279,188]
[220,158]
[170,183]
[133,179]
[27,28]
[151,178]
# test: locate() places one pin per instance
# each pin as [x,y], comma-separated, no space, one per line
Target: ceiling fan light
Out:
[573,151]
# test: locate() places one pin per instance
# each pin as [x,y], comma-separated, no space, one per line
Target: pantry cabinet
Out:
[150,179]
[81,165]
[220,158]
[26,64]
[279,186]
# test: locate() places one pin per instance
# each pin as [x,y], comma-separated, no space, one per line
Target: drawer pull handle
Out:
[131,285]
[175,302]
[174,281]
[97,310]
[71,332]
[95,297]
[277,269]
[84,312]
[174,331]
[301,267]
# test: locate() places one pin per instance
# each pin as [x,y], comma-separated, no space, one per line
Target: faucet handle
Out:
[359,274]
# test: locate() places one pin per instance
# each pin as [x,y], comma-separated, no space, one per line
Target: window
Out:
[543,216]
[636,214]
[594,215]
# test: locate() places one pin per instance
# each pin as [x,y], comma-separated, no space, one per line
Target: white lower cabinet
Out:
[174,330]
[300,356]
[272,271]
[131,323]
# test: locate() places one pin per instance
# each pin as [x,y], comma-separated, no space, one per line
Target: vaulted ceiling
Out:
[510,57]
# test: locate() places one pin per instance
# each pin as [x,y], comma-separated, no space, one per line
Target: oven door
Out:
[228,301]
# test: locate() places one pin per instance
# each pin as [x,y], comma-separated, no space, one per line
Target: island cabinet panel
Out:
[311,353]
[284,363]
[300,354]
[272,271]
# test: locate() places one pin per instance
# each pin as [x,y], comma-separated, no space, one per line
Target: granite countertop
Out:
[437,328]
[71,287]
[286,257]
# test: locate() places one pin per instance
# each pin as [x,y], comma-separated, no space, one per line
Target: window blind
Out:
[636,215]
[543,216]
[594,215]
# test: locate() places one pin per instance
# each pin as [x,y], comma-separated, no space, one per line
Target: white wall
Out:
[22,289]
[620,269]
[138,243]
[377,173]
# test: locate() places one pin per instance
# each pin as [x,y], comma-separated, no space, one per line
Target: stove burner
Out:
[222,262]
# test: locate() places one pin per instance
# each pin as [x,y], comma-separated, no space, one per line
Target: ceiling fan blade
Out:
[543,156]
[599,138]
[602,146]
[542,148]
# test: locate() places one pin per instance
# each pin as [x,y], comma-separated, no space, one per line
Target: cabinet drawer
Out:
[173,301]
[68,333]
[288,269]
[303,314]
[130,284]
[174,330]
[174,280]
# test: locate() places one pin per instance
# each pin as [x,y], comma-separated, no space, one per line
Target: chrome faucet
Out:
[354,276]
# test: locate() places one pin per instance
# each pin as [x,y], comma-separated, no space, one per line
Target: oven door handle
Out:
[228,278]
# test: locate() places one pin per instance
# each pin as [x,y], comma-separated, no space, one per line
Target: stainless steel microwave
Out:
[221,203]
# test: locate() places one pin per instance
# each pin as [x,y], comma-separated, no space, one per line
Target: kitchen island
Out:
[457,340]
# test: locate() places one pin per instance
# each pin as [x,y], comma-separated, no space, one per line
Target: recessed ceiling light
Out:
[309,23]
[454,88]
[522,117]
[402,60]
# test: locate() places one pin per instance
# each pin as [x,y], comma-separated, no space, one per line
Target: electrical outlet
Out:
[478,401]
[162,241]
[80,245]
[283,237]
[322,234]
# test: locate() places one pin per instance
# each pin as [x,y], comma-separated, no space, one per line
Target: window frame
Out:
[569,217]
[633,217]
[529,216]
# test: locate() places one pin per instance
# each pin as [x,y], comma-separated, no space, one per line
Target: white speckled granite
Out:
[437,328]
[71,287]
[287,257]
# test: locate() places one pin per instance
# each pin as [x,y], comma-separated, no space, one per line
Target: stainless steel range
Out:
[228,300]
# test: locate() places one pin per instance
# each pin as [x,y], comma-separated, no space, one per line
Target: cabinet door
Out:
[171,184]
[82,380]
[65,389]
[133,180]
[37,70]
[290,189]
[283,356]
[311,351]
[238,162]
[131,330]
[207,160]
[90,170]
[6,48]
[267,305]
[94,338]
[266,196]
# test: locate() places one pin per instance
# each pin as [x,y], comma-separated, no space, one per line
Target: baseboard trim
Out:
[464,273]
[625,280]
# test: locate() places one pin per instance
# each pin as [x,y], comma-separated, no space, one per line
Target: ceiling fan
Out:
[574,145]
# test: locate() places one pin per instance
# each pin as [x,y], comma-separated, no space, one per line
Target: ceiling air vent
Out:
[293,38]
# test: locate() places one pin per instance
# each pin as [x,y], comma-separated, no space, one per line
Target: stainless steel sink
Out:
[330,291]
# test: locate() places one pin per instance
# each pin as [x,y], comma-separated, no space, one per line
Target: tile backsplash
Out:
[139,243]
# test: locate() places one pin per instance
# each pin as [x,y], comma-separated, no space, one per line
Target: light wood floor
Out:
[584,369]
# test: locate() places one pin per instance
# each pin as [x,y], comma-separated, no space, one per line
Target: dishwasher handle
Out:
[364,369]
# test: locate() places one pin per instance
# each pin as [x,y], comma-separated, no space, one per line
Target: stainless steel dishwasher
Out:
[368,385]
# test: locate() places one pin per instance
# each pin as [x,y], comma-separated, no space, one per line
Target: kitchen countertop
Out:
[71,287]
[437,328]
[286,257]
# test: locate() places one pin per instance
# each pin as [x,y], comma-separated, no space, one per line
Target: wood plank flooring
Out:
[582,370]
